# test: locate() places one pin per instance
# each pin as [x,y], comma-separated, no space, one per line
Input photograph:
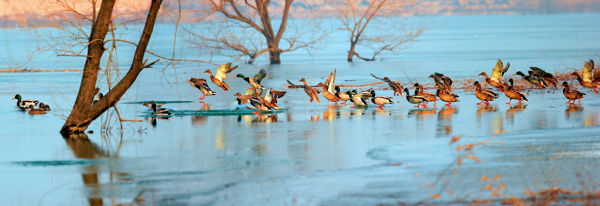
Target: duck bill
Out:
[14,98]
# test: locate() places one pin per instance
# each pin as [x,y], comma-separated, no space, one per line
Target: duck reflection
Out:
[573,111]
[510,113]
[266,118]
[422,114]
[83,148]
[444,122]
[489,112]
[200,120]
[153,120]
[330,114]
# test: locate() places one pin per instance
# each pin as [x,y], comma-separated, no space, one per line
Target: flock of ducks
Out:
[268,102]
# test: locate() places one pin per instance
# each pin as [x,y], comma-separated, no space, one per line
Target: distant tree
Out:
[245,29]
[376,24]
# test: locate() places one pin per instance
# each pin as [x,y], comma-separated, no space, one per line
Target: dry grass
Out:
[38,70]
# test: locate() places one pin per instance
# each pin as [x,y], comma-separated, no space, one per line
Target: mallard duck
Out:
[242,99]
[328,95]
[201,85]
[24,104]
[380,100]
[442,82]
[254,81]
[547,77]
[447,96]
[33,111]
[149,104]
[572,95]
[587,80]
[485,95]
[222,72]
[415,99]
[44,106]
[533,78]
[357,99]
[430,97]
[497,73]
[342,95]
[311,92]
[275,94]
[397,88]
[159,111]
[99,96]
[512,93]
[259,105]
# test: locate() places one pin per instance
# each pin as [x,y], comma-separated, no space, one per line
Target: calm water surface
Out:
[313,153]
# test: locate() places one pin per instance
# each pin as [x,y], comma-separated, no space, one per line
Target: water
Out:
[314,153]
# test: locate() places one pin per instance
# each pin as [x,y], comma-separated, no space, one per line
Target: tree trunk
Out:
[84,112]
[351,52]
[274,56]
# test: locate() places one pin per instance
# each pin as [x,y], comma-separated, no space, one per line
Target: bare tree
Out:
[245,29]
[84,112]
[376,25]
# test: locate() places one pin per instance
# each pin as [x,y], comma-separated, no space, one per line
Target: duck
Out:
[33,111]
[254,81]
[44,106]
[415,99]
[342,95]
[100,95]
[328,95]
[512,93]
[546,77]
[397,88]
[258,104]
[275,94]
[572,95]
[380,100]
[159,111]
[357,99]
[430,97]
[201,85]
[442,82]
[242,99]
[149,104]
[24,104]
[447,96]
[311,92]
[533,78]
[587,80]
[497,73]
[485,95]
[222,72]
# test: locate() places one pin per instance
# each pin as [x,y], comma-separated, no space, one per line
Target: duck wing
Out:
[222,71]
[587,71]
[260,76]
[330,82]
[497,72]
[506,68]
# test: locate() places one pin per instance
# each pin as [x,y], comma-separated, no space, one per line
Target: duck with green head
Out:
[380,100]
[415,99]
[255,80]
[342,95]
[357,99]
[24,104]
